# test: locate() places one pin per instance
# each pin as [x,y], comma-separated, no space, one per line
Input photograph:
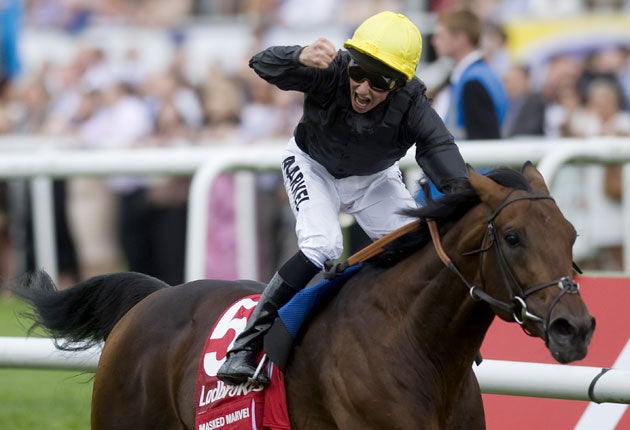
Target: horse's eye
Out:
[512,239]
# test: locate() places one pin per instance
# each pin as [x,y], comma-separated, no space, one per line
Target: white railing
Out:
[554,381]
[41,353]
[41,162]
[495,376]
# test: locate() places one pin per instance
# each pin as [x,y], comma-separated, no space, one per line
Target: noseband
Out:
[517,304]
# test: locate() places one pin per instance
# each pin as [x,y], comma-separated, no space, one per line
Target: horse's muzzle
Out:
[569,337]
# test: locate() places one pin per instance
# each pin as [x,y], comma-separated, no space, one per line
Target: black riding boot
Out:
[240,364]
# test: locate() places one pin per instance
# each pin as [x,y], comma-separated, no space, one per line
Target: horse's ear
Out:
[534,178]
[488,191]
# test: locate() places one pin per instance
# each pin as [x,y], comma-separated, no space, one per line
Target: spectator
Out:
[160,88]
[130,123]
[167,199]
[603,114]
[474,103]
[64,85]
[526,108]
[222,98]
[477,98]
[560,71]
[562,96]
[602,64]
[91,204]
[132,70]
[35,106]
[97,72]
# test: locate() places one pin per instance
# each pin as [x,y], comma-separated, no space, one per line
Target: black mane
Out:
[445,211]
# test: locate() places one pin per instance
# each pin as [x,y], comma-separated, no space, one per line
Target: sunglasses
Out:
[376,81]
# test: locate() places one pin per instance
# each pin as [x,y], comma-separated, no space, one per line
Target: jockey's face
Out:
[363,97]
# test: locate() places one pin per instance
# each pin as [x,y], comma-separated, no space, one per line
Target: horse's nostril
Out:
[561,328]
[569,337]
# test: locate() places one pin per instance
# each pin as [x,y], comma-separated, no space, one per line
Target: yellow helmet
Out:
[390,38]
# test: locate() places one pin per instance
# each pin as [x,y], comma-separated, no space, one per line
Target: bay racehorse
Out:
[393,349]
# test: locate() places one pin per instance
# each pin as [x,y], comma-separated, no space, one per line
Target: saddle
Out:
[236,407]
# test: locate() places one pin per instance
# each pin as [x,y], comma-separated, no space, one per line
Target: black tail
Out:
[84,315]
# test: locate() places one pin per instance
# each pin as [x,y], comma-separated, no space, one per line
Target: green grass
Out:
[33,399]
[11,324]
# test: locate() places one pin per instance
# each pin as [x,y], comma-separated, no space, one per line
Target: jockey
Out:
[363,109]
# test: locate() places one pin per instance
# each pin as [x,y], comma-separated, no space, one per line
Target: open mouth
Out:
[361,102]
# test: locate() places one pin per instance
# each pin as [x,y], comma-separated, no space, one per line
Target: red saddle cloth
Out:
[236,407]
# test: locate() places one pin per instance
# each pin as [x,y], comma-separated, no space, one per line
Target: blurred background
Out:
[174,73]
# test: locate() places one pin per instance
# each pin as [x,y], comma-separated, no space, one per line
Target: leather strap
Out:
[377,246]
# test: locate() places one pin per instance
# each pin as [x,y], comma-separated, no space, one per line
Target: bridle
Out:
[517,304]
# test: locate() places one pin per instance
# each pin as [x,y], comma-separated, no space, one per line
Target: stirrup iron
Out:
[254,378]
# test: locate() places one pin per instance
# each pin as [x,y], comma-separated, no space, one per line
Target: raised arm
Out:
[295,67]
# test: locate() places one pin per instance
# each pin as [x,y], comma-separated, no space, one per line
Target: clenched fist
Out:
[318,54]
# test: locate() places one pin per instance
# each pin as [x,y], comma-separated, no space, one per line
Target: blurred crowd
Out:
[120,223]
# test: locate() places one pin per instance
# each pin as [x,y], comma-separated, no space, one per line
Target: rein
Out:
[332,269]
[517,305]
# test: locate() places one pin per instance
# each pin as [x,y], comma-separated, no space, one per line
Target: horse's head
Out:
[526,265]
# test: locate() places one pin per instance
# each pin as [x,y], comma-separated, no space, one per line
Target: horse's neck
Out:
[441,326]
[441,312]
